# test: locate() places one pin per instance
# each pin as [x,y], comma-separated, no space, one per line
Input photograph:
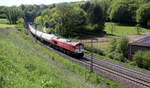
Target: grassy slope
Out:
[122,30]
[26,64]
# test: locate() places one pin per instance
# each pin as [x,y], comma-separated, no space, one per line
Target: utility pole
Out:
[91,66]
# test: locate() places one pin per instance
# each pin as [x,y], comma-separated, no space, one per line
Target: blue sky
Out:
[19,2]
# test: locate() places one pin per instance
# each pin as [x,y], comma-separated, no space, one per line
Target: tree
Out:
[30,12]
[42,20]
[95,15]
[2,11]
[69,19]
[39,20]
[143,14]
[124,11]
[12,14]
[20,25]
[105,5]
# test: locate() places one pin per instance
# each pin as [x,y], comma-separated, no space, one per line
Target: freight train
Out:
[69,47]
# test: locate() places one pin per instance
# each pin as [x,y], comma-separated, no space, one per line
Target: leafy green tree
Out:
[30,12]
[105,5]
[69,19]
[143,14]
[12,14]
[42,20]
[20,25]
[39,20]
[124,11]
[95,15]
[2,11]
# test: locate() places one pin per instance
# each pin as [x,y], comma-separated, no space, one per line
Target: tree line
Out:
[72,19]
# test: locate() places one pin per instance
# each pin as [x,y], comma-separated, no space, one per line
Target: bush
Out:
[20,25]
[142,59]
[112,45]
[118,49]
[117,56]
[122,46]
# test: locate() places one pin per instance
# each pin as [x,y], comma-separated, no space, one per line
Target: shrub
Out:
[122,46]
[118,49]
[20,25]
[142,59]
[112,45]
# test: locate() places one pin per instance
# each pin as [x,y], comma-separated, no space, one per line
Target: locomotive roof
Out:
[142,42]
[68,41]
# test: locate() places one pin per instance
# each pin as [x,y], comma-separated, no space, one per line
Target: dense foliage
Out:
[142,59]
[69,20]
[143,15]
[118,49]
[13,13]
[124,11]
[95,15]
[2,12]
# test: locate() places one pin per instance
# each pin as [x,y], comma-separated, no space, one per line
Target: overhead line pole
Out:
[91,66]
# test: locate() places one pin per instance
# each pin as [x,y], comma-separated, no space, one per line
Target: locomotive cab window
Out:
[79,47]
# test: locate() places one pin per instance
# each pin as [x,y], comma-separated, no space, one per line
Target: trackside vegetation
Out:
[26,64]
[142,59]
[118,49]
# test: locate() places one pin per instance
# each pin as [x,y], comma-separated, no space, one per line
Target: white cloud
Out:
[19,2]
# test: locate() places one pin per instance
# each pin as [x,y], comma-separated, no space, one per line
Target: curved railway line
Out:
[129,77]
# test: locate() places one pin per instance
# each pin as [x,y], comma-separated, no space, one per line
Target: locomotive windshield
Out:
[79,47]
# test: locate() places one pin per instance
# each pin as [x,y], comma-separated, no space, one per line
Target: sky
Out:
[19,2]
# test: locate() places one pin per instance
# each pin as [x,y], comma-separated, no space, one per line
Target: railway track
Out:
[131,78]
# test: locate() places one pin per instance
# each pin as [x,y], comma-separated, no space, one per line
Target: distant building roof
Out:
[142,42]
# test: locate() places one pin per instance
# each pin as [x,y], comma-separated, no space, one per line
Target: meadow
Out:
[122,30]
[5,24]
